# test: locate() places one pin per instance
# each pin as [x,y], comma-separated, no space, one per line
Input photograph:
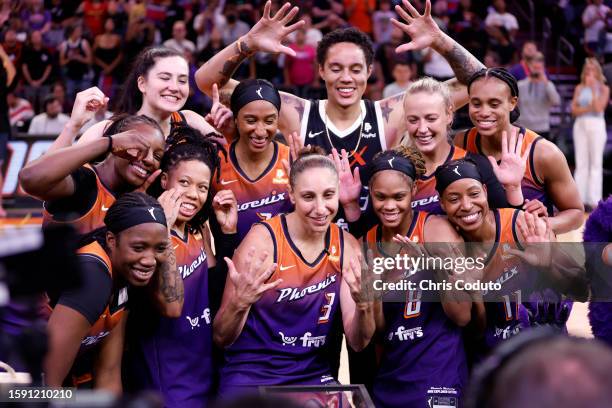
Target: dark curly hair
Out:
[187,143]
[349,35]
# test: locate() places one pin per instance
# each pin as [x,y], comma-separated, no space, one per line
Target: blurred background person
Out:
[537,96]
[75,58]
[520,70]
[20,112]
[502,28]
[402,74]
[37,69]
[179,40]
[594,21]
[51,121]
[107,57]
[588,104]
[301,71]
[7,76]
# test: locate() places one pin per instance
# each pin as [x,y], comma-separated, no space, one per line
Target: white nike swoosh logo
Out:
[284,268]
[104,208]
[224,182]
[311,135]
[174,247]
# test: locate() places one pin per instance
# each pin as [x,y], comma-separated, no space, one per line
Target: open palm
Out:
[511,168]
[421,28]
[268,33]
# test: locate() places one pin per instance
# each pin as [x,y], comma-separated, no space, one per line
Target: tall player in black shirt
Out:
[343,121]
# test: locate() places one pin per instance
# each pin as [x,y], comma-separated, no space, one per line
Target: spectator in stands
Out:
[107,57]
[402,73]
[233,27]
[59,15]
[139,35]
[58,90]
[537,96]
[94,14]
[381,22]
[502,27]
[7,76]
[313,34]
[51,121]
[12,47]
[520,70]
[594,21]
[327,13]
[36,17]
[466,28]
[36,69]
[491,59]
[435,66]
[359,12]
[75,58]
[386,57]
[214,46]
[179,41]
[208,20]
[588,104]
[20,112]
[301,71]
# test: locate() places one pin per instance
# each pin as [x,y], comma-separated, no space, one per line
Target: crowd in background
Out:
[59,47]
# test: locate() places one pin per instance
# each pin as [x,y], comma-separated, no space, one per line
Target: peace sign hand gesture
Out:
[422,29]
[268,33]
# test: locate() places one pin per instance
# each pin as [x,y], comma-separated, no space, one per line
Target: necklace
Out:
[361,116]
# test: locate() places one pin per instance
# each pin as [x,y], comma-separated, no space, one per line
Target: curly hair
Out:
[186,143]
[348,35]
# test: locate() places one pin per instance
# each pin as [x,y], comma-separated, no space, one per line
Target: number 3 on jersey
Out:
[327,307]
[413,304]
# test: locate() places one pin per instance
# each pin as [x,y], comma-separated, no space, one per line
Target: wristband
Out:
[110,144]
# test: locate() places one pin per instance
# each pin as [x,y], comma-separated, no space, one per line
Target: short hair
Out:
[348,35]
[49,99]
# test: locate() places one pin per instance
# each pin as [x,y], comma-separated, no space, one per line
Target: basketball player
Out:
[493,100]
[130,251]
[80,194]
[174,356]
[423,353]
[274,324]
[501,232]
[343,121]
[253,168]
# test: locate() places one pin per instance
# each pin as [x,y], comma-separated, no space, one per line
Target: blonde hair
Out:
[431,86]
[598,71]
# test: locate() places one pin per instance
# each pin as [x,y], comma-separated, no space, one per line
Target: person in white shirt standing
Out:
[51,121]
[594,21]
[179,41]
[502,27]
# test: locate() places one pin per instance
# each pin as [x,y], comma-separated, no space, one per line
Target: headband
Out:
[255,90]
[456,170]
[132,216]
[396,162]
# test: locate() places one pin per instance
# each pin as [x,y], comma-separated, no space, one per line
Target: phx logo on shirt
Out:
[280,177]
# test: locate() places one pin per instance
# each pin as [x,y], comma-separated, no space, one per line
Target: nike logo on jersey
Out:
[226,182]
[104,208]
[311,134]
[284,268]
[151,211]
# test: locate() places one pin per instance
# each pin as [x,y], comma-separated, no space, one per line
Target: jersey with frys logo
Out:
[417,334]
[284,338]
[165,359]
[258,199]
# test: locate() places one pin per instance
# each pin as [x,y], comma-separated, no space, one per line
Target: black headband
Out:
[254,90]
[396,162]
[453,171]
[132,216]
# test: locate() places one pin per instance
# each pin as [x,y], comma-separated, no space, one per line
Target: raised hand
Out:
[170,201]
[511,169]
[359,277]
[535,207]
[268,33]
[350,183]
[147,183]
[220,116]
[536,233]
[422,29]
[130,145]
[86,104]
[225,207]
[295,145]
[250,284]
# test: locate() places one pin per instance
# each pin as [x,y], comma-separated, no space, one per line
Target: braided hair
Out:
[125,121]
[186,143]
[506,77]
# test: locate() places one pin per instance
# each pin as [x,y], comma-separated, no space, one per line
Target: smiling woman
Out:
[157,86]
[131,250]
[78,193]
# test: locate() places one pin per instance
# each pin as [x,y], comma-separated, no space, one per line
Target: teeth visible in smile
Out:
[424,138]
[143,172]
[345,89]
[170,98]
[470,218]
[188,206]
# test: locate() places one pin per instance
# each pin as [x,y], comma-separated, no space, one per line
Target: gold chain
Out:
[361,115]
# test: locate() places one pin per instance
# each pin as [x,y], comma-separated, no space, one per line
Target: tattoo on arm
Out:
[388,105]
[463,63]
[231,65]
[171,285]
[296,103]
